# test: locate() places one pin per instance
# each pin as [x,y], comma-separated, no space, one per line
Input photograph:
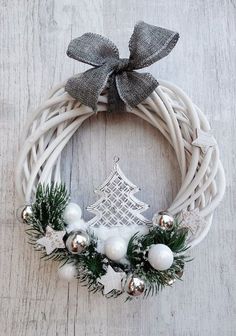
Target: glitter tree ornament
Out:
[117,207]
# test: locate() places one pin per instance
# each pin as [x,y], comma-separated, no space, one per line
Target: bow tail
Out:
[115,103]
[87,86]
[134,87]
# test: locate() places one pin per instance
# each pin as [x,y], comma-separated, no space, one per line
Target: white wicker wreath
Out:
[119,250]
[168,109]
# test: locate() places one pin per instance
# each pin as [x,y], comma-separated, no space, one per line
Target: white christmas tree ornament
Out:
[118,211]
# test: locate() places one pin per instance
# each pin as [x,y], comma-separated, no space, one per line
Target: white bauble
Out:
[160,257]
[67,272]
[72,213]
[115,248]
[76,226]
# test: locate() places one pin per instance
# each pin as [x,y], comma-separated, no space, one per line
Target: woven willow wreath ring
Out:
[169,110]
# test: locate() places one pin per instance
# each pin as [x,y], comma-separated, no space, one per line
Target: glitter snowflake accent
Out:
[193,221]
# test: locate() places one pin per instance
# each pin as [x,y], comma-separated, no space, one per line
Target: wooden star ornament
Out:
[111,280]
[204,140]
[52,240]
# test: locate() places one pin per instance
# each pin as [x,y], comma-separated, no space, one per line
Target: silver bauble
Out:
[24,213]
[77,241]
[179,274]
[164,220]
[134,286]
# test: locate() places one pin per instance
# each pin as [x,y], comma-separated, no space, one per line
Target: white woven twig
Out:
[168,109]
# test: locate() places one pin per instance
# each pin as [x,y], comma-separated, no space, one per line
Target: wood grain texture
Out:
[33,39]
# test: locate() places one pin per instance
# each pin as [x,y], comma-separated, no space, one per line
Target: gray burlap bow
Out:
[147,45]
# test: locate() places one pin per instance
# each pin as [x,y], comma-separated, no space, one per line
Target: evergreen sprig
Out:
[47,210]
[137,254]
[90,267]
[49,205]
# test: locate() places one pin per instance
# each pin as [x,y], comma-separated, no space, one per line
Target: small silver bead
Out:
[180,273]
[24,213]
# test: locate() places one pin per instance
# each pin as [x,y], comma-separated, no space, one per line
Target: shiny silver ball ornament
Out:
[179,274]
[23,213]
[77,242]
[164,220]
[134,286]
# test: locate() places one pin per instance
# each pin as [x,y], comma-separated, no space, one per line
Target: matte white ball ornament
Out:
[160,257]
[72,213]
[115,248]
[67,272]
[76,226]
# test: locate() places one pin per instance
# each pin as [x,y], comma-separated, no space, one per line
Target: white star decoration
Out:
[193,221]
[204,140]
[111,280]
[52,240]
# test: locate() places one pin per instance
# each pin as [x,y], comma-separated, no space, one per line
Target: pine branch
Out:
[137,254]
[48,207]
[90,266]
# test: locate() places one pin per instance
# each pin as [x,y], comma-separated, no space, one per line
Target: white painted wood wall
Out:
[33,39]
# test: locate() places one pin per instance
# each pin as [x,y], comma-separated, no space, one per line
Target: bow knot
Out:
[147,45]
[122,64]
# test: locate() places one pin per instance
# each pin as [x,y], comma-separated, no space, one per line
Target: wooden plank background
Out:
[33,39]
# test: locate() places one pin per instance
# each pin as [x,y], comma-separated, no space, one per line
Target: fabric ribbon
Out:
[147,45]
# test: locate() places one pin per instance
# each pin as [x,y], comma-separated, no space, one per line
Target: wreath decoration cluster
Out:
[119,250]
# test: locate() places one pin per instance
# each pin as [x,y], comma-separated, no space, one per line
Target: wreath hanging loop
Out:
[147,45]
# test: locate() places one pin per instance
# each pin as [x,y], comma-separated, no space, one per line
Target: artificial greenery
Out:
[49,205]
[137,254]
[48,208]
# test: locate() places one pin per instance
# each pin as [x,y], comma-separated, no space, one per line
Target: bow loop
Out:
[87,86]
[92,49]
[147,45]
